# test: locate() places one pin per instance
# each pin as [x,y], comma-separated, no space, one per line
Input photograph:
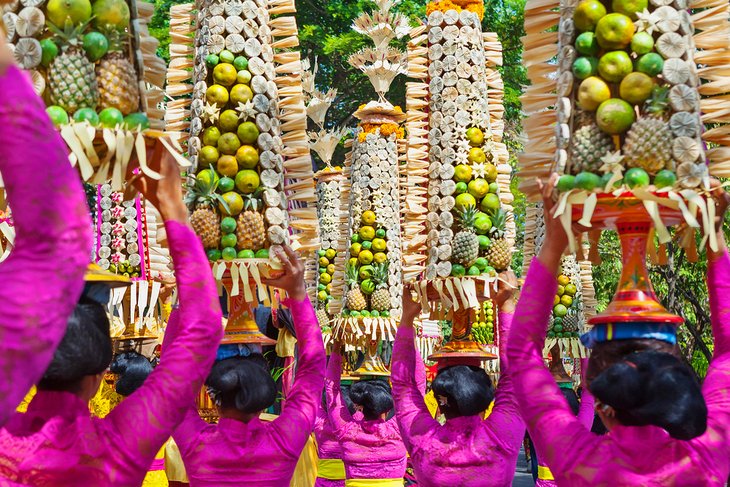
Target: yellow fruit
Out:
[563,280]
[379,245]
[587,14]
[462,173]
[380,257]
[475,136]
[614,31]
[217,95]
[636,88]
[330,254]
[208,155]
[355,249]
[367,232]
[247,181]
[352,261]
[592,92]
[556,301]
[247,156]
[225,74]
[234,201]
[561,290]
[365,257]
[228,121]
[325,278]
[477,155]
[490,172]
[227,166]
[323,262]
[331,269]
[322,295]
[228,144]
[566,300]
[368,217]
[241,94]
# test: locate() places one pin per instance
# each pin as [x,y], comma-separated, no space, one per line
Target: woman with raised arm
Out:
[242,449]
[42,278]
[467,450]
[372,447]
[661,429]
[57,442]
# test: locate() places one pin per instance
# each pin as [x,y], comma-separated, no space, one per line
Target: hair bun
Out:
[243,383]
[374,396]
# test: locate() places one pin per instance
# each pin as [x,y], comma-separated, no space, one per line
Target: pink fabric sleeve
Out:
[716,387]
[586,412]
[411,412]
[42,279]
[505,415]
[551,424]
[336,409]
[188,431]
[298,414]
[145,420]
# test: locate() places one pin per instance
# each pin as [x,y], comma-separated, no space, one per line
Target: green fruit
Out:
[629,7]
[76,11]
[636,177]
[207,176]
[606,178]
[483,223]
[211,136]
[642,43]
[490,271]
[367,286]
[49,51]
[111,14]
[385,314]
[354,314]
[375,313]
[57,115]
[614,116]
[246,254]
[566,183]
[95,45]
[240,63]
[263,254]
[665,179]
[560,310]
[367,244]
[212,60]
[243,77]
[365,314]
[247,181]
[86,115]
[366,272]
[137,122]
[490,203]
[227,56]
[213,255]
[614,66]
[614,31]
[650,64]
[380,233]
[481,263]
[494,188]
[484,242]
[228,240]
[557,328]
[111,118]
[228,225]
[473,271]
[587,14]
[248,132]
[587,181]
[587,44]
[229,253]
[226,184]
[584,67]
[461,187]
[457,270]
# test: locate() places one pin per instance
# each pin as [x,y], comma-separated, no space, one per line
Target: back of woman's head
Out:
[242,383]
[86,348]
[653,388]
[374,396]
[608,353]
[132,370]
[462,390]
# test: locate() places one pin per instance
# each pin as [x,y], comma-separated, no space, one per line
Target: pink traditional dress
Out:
[259,453]
[628,455]
[466,451]
[330,468]
[57,442]
[372,450]
[42,279]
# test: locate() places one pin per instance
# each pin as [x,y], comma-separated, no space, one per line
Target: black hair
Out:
[608,353]
[242,383]
[132,369]
[467,390]
[653,388]
[572,398]
[86,348]
[374,396]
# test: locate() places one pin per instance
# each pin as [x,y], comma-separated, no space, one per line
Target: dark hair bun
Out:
[467,389]
[374,396]
[132,369]
[654,388]
[243,383]
[86,348]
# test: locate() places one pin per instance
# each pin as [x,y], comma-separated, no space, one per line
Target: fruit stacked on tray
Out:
[482,328]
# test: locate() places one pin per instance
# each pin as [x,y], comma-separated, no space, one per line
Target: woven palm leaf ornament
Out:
[99,73]
[457,172]
[237,102]
[368,266]
[634,105]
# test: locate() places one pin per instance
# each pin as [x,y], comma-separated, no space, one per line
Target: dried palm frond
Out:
[380,66]
[382,27]
[318,105]
[325,142]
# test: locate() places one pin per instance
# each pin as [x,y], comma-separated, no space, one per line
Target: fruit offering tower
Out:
[238,104]
[457,171]
[324,142]
[95,65]
[633,119]
[368,266]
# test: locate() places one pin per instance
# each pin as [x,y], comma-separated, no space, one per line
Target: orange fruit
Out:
[380,257]
[217,95]
[225,74]
[227,166]
[462,173]
[592,92]
[636,88]
[614,116]
[587,14]
[614,31]
[614,66]
[248,132]
[241,94]
[368,217]
[234,202]
[247,181]
[248,156]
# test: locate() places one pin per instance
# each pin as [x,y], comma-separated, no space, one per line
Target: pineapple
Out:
[499,254]
[570,323]
[589,144]
[380,300]
[323,317]
[71,79]
[116,76]
[205,220]
[466,242]
[355,298]
[648,143]
[250,230]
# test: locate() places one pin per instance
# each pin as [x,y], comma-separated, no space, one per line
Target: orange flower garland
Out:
[386,130]
[476,6]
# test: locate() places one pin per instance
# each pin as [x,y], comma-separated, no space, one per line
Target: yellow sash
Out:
[331,469]
[544,473]
[374,483]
